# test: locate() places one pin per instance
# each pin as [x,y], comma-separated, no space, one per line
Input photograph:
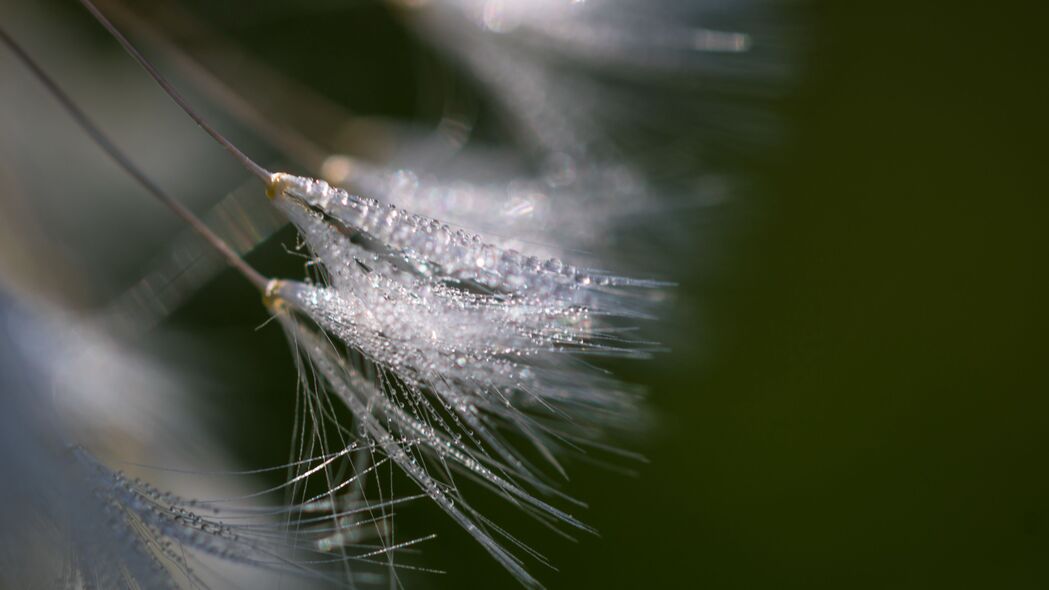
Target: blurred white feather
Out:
[71,521]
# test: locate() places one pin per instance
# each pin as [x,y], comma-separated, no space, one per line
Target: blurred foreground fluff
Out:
[453,320]
[70,521]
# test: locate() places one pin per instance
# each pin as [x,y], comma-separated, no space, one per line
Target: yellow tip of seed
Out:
[276,184]
[271,296]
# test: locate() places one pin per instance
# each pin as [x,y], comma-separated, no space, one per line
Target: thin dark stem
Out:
[122,160]
[263,174]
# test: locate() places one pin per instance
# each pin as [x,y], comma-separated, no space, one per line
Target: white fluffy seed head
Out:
[467,339]
[444,254]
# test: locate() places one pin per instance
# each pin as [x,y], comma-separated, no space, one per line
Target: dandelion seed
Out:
[449,340]
[441,252]
[485,333]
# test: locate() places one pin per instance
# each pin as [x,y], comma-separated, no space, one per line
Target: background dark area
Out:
[856,397]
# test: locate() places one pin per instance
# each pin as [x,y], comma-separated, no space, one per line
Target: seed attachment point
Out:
[271,297]
[278,181]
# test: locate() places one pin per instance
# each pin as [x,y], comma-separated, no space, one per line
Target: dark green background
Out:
[857,395]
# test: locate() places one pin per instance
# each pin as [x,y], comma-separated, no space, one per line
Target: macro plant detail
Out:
[445,331]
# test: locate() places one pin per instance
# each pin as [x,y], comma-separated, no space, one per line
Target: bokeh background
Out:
[856,391]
